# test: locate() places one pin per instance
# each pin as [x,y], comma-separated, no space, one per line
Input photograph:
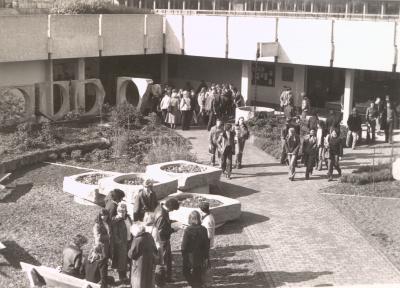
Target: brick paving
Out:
[299,238]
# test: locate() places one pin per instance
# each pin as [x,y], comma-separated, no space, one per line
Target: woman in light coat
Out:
[173,110]
[185,107]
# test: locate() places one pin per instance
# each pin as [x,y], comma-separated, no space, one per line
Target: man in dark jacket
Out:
[215,132]
[72,257]
[371,115]
[292,146]
[333,144]
[354,125]
[145,201]
[163,233]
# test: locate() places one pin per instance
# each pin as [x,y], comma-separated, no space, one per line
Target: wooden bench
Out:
[40,276]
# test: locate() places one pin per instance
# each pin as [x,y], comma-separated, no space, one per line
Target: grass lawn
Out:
[375,217]
[37,219]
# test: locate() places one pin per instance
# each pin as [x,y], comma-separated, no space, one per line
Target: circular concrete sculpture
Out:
[131,184]
[248,112]
[396,169]
[78,95]
[46,102]
[85,187]
[227,209]
[28,92]
[192,177]
[143,85]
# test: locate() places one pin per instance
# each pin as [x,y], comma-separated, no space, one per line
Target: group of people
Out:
[201,106]
[226,140]
[142,243]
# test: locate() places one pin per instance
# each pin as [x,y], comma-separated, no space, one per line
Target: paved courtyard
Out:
[299,238]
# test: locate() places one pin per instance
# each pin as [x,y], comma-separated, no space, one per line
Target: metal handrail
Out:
[298,14]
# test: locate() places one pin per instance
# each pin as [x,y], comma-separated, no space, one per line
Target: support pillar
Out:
[164,69]
[213,5]
[80,75]
[348,94]
[198,5]
[48,103]
[154,5]
[230,6]
[245,87]
[365,9]
[262,6]
[169,5]
[383,10]
[183,5]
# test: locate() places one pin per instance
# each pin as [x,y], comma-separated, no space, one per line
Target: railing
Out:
[299,14]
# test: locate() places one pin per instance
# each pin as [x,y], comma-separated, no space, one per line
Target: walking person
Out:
[201,102]
[162,231]
[145,202]
[371,115]
[216,110]
[292,146]
[334,151]
[241,136]
[185,109]
[389,119]
[208,221]
[313,120]
[143,254]
[215,132]
[354,125]
[310,152]
[226,147]
[321,134]
[208,120]
[333,122]
[164,107]
[195,251]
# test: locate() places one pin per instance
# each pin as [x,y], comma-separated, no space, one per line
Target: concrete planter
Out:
[162,188]
[196,182]
[396,169]
[248,112]
[87,194]
[228,211]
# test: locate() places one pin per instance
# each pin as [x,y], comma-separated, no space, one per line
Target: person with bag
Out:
[185,107]
[143,254]
[241,136]
[334,150]
[195,251]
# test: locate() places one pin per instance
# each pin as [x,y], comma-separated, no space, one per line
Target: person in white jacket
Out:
[165,101]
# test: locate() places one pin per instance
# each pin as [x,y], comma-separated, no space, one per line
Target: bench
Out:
[39,276]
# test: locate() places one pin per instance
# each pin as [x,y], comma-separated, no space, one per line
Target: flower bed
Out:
[162,188]
[85,187]
[248,112]
[192,177]
[223,209]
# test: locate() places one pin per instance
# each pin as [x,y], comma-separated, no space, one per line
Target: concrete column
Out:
[346,9]
[140,4]
[164,69]
[213,5]
[278,6]
[246,82]
[262,6]
[294,7]
[245,6]
[312,7]
[48,103]
[230,6]
[348,94]
[154,5]
[329,8]
[383,9]
[80,75]
[365,9]
[198,5]
[169,4]
[183,5]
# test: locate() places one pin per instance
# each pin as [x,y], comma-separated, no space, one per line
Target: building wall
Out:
[22,73]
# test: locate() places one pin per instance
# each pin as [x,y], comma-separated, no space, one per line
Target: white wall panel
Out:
[205,36]
[245,32]
[173,32]
[154,34]
[304,41]
[364,45]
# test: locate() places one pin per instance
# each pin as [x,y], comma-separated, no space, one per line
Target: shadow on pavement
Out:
[231,190]
[237,226]
[13,254]
[12,194]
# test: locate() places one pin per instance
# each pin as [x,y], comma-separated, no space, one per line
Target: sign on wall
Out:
[263,74]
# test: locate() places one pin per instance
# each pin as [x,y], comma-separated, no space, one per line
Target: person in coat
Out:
[333,145]
[371,115]
[320,136]
[241,136]
[208,221]
[305,105]
[226,148]
[389,118]
[313,120]
[145,201]
[96,266]
[119,240]
[113,198]
[216,109]
[173,116]
[143,253]
[201,103]
[354,125]
[195,251]
[73,258]
[162,233]
[102,231]
[310,152]
[208,118]
[164,107]
[292,146]
[333,122]
[185,108]
[215,132]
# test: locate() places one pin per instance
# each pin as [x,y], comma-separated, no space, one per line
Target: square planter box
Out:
[87,194]
[229,210]
[193,182]
[162,188]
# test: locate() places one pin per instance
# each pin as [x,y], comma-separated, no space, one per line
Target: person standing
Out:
[145,201]
[310,147]
[164,107]
[185,110]
[208,109]
[333,145]
[292,146]
[201,102]
[371,115]
[215,132]
[194,108]
[208,221]
[102,232]
[162,233]
[173,116]
[215,110]
[305,105]
[321,134]
[241,136]
[119,240]
[354,125]
[195,251]
[333,122]
[226,147]
[113,198]
[313,120]
[289,110]
[389,121]
[142,253]
[72,257]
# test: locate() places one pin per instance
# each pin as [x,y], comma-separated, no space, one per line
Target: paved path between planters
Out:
[299,238]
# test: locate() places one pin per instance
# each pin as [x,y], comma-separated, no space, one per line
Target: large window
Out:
[263,74]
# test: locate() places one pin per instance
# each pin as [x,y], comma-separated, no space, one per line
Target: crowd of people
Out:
[141,246]
[201,106]
[323,143]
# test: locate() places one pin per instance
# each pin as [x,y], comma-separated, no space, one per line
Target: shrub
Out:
[12,107]
[76,154]
[126,116]
[92,7]
[169,152]
[369,174]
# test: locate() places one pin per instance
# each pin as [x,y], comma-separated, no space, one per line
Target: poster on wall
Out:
[263,74]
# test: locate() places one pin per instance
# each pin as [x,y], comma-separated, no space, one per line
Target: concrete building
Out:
[336,58]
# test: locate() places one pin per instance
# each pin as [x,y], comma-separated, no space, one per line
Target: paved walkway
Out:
[299,238]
